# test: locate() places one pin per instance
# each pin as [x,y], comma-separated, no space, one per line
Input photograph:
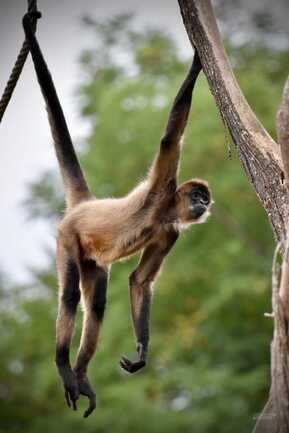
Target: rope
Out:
[18,66]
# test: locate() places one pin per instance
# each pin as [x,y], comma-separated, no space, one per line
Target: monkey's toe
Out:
[71,396]
[86,389]
[70,384]
[131,367]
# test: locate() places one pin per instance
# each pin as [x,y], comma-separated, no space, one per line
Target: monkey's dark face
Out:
[193,202]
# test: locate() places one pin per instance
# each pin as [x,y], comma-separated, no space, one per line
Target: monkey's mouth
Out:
[197,211]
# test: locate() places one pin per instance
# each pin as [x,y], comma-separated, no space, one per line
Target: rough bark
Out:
[283,130]
[275,415]
[268,170]
[283,139]
[258,152]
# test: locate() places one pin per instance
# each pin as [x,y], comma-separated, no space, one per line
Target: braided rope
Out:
[17,68]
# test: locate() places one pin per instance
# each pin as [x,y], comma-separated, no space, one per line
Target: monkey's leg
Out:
[93,286]
[141,285]
[69,296]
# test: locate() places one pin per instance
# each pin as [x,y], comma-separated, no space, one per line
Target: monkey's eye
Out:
[195,195]
[199,197]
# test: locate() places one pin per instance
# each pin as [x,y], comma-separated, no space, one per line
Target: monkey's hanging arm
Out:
[163,171]
[141,291]
[257,151]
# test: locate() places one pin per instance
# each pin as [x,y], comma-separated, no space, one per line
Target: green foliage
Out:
[209,362]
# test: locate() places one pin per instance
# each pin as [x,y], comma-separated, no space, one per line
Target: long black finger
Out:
[67,398]
[74,404]
[125,363]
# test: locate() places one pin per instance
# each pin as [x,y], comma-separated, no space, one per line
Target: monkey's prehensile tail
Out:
[75,185]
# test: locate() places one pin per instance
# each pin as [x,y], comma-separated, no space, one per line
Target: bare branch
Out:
[283,139]
[284,283]
[283,131]
[259,154]
[275,416]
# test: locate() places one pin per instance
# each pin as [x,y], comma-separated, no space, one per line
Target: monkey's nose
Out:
[204,201]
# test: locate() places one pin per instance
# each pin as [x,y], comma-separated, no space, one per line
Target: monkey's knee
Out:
[138,279]
[134,279]
[70,296]
[70,300]
[99,298]
[62,356]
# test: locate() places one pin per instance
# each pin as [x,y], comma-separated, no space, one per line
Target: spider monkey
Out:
[94,233]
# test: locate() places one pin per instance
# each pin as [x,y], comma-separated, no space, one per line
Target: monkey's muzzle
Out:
[198,210]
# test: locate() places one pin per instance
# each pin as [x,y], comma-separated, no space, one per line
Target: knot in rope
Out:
[18,66]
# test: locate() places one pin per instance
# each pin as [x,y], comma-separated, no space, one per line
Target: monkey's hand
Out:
[70,386]
[133,367]
[86,389]
[129,366]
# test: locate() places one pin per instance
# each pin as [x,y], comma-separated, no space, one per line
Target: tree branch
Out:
[258,153]
[283,131]
[275,415]
[283,139]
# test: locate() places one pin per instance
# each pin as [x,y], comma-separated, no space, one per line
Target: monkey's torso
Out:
[108,230]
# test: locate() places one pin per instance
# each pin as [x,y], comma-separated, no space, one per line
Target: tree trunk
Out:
[258,152]
[268,171]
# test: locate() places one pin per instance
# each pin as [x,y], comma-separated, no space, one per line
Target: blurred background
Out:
[117,69]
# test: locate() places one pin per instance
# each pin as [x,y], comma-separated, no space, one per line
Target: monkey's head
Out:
[193,202]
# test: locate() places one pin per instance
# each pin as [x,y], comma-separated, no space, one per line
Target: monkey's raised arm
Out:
[165,165]
[74,182]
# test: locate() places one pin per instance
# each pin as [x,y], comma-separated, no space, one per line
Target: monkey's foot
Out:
[70,387]
[86,389]
[131,367]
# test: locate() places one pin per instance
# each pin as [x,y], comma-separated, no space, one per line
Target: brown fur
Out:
[111,229]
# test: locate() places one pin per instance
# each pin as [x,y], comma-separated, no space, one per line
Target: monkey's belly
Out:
[136,243]
[108,250]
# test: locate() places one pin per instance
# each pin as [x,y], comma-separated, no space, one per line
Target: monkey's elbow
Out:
[132,279]
[166,142]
